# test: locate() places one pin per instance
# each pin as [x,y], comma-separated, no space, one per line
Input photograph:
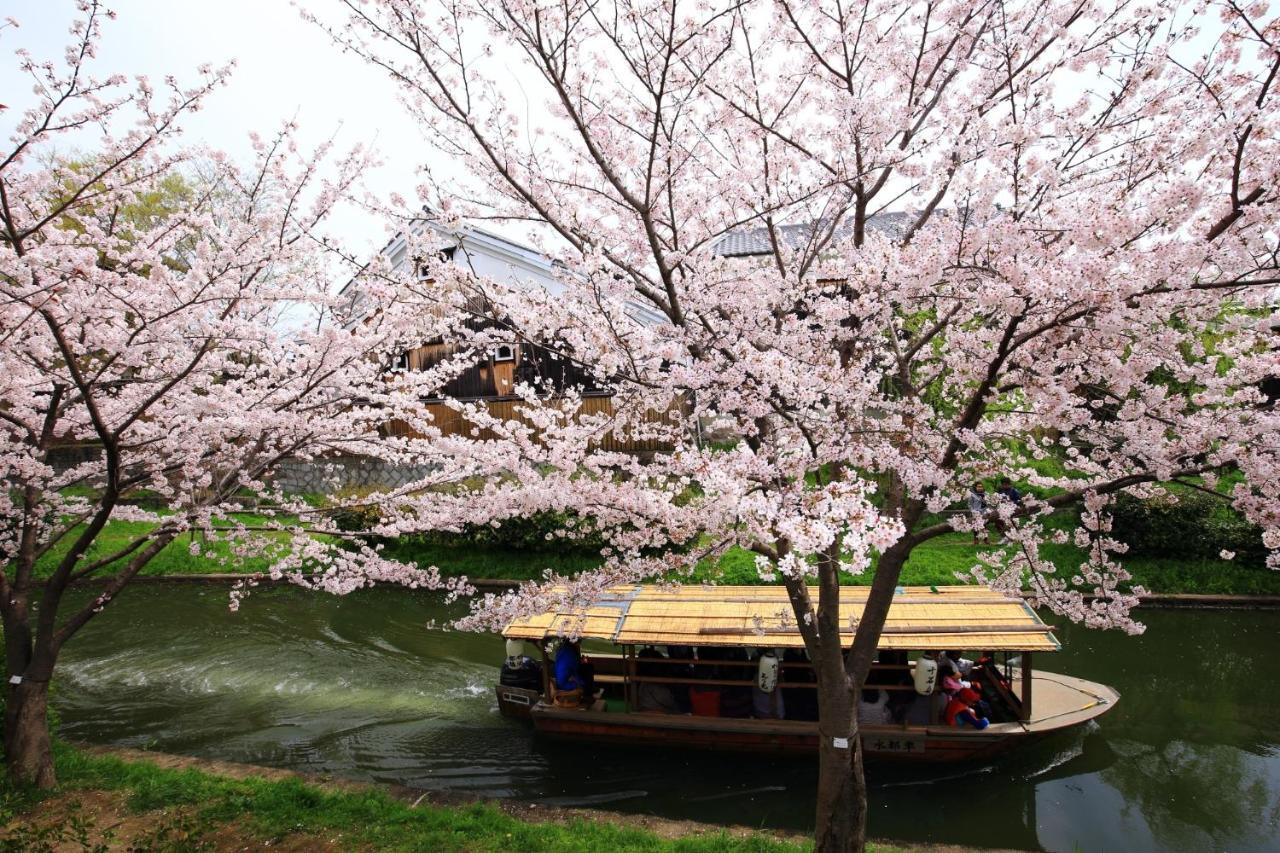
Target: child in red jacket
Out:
[960,710]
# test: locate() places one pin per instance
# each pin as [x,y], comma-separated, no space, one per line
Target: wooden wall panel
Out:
[452,423]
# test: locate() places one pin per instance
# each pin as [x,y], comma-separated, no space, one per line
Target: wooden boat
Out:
[1028,704]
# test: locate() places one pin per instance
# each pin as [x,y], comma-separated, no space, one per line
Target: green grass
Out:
[737,566]
[935,562]
[195,804]
[1202,576]
[938,561]
[176,557]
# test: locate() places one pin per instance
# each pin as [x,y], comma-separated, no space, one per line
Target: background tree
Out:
[164,312]
[993,239]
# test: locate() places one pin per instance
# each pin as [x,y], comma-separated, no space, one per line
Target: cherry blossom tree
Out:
[1022,239]
[167,330]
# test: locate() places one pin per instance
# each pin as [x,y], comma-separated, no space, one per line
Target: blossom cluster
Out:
[984,241]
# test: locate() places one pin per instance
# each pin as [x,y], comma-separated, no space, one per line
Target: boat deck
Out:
[1062,701]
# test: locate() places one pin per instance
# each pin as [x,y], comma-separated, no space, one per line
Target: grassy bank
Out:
[936,562]
[932,563]
[138,805]
[939,560]
[176,558]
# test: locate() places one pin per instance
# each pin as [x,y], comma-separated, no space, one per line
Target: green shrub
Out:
[356,517]
[1193,525]
[539,532]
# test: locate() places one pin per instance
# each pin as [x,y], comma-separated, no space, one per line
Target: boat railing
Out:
[735,682]
[624,670]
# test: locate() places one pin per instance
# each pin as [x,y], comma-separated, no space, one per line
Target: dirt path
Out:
[82,821]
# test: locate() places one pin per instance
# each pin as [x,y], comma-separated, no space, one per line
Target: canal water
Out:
[358,687]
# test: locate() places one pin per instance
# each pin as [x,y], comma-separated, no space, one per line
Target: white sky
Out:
[285,68]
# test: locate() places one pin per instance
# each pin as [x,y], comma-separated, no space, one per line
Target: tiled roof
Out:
[742,242]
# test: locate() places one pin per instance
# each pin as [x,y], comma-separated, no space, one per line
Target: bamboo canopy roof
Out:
[952,617]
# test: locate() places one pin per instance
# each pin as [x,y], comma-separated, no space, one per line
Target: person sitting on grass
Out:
[1007,491]
[979,511]
[1013,497]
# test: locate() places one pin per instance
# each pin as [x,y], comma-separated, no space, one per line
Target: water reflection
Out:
[1189,759]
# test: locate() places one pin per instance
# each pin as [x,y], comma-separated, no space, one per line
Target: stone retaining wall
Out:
[327,476]
[298,476]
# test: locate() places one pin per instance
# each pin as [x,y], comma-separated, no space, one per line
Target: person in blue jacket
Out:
[572,672]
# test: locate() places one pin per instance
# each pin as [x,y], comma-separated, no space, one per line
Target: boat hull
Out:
[517,702]
[897,743]
[1065,703]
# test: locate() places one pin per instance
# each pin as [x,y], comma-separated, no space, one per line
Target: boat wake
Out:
[591,799]
[766,789]
[934,780]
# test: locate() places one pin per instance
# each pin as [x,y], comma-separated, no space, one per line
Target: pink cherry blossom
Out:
[895,248]
[167,329]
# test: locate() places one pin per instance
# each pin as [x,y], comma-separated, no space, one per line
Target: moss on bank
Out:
[142,806]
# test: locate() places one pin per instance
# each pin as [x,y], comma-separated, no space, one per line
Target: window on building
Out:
[504,352]
[424,271]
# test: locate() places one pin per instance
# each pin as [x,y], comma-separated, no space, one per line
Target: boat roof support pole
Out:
[546,672]
[628,677]
[1026,686]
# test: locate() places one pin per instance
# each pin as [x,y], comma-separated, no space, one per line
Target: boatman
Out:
[572,672]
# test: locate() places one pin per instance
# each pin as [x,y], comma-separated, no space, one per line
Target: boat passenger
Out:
[949,685]
[954,663]
[704,700]
[680,668]
[732,700]
[573,672]
[653,697]
[892,672]
[873,708]
[768,706]
[801,702]
[962,710]
[735,700]
[680,657]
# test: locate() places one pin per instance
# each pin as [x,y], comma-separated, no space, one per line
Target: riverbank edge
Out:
[653,832]
[1193,601]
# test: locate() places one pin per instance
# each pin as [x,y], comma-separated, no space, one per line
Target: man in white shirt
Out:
[952,663]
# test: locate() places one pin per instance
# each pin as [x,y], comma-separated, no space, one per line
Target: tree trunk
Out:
[842,789]
[28,749]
